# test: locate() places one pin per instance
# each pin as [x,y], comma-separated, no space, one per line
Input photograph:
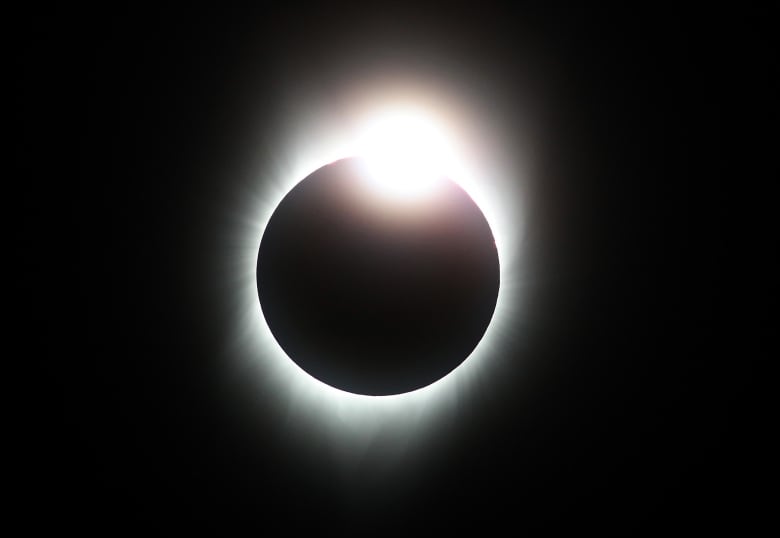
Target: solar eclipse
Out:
[410,138]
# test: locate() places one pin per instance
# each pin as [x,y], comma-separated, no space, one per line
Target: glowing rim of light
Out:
[342,413]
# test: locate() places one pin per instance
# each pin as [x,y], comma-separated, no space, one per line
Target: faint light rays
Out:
[350,423]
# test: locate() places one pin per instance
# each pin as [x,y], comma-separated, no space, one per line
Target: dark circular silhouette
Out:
[374,294]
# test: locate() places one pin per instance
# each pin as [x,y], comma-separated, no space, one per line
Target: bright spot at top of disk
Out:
[406,154]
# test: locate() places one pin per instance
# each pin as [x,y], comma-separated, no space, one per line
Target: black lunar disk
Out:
[374,294]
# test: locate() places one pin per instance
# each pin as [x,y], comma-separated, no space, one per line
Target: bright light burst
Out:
[416,143]
[406,155]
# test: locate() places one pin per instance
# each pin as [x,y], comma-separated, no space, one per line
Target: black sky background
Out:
[612,422]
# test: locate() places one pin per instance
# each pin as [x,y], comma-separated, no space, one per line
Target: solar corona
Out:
[406,165]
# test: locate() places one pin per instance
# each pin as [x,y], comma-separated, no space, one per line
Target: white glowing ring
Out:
[352,420]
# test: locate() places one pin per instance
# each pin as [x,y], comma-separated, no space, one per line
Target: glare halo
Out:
[352,421]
